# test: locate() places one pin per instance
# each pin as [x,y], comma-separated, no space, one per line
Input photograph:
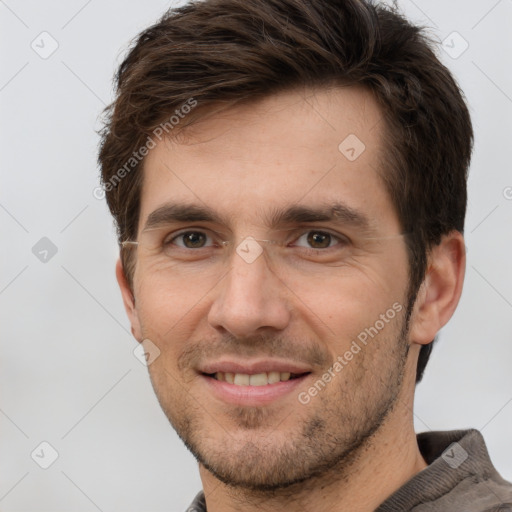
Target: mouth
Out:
[255,379]
[254,385]
[255,382]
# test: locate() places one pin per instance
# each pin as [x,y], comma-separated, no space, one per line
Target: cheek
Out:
[364,307]
[168,323]
[164,306]
[360,292]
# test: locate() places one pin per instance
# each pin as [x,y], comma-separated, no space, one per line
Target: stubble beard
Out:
[326,446]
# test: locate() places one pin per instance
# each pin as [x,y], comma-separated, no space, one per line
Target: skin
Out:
[353,444]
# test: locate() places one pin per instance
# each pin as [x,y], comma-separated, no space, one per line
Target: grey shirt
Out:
[460,477]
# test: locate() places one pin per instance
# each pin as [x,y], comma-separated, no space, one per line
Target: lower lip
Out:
[252,395]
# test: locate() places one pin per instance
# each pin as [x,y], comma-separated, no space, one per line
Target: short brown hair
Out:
[229,51]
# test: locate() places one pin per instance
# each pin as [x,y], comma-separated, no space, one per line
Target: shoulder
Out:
[459,476]
[198,505]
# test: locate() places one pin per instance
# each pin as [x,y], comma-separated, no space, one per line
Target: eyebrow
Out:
[334,212]
[178,212]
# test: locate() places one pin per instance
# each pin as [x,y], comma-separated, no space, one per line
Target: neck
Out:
[388,459]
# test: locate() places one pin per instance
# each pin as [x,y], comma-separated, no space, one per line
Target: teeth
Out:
[257,379]
[273,377]
[241,379]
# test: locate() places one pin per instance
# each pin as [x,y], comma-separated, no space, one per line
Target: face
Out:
[271,281]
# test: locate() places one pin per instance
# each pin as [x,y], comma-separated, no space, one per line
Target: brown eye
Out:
[193,239]
[188,240]
[319,239]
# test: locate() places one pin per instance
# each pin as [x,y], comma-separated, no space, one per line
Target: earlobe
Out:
[441,289]
[128,301]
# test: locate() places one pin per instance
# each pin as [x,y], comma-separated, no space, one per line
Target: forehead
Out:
[294,148]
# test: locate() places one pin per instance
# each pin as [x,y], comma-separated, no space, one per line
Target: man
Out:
[288,180]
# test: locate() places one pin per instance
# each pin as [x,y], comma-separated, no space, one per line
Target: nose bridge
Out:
[251,296]
[250,267]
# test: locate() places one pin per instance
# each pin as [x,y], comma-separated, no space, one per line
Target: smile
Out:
[253,390]
[257,379]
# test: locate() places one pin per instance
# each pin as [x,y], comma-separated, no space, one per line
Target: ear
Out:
[129,301]
[441,289]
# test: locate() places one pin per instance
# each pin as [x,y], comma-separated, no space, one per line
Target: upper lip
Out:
[254,366]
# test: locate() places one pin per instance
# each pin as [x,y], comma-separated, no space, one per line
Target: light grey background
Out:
[68,375]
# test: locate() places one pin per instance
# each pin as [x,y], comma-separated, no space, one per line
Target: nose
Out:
[250,300]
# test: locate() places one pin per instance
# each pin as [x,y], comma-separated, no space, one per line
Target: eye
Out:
[190,240]
[315,239]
